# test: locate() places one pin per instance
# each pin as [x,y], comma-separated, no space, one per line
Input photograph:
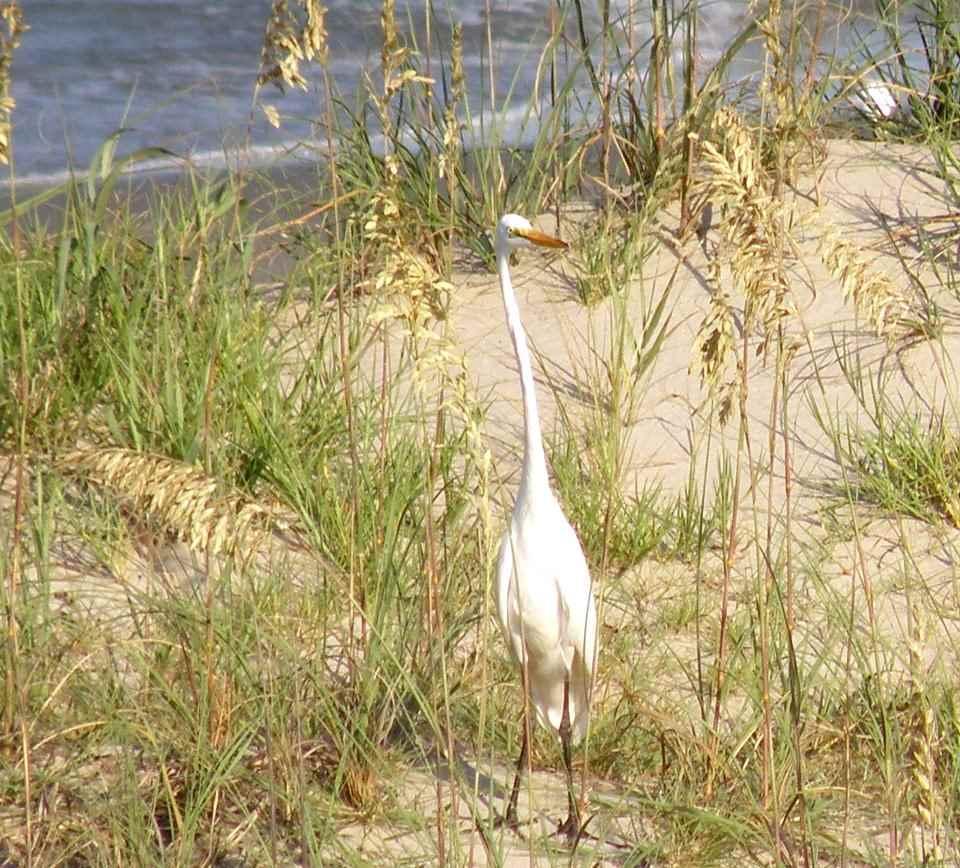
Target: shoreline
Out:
[264,189]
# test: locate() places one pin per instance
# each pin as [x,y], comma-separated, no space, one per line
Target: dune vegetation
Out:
[259,436]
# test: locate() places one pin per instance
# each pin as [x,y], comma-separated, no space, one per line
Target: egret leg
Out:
[509,817]
[571,826]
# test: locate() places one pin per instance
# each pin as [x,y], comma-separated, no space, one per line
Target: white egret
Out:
[544,600]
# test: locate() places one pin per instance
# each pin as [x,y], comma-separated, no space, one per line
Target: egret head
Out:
[515,232]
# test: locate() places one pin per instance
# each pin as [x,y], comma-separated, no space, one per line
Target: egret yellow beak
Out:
[535,236]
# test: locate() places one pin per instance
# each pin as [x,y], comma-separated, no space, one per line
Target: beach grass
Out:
[253,487]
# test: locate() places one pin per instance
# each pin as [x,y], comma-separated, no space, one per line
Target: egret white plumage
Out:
[544,599]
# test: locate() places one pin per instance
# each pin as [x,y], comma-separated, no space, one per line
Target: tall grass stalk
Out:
[15,694]
[689,95]
[15,686]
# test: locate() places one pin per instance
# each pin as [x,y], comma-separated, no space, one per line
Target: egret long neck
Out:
[534,461]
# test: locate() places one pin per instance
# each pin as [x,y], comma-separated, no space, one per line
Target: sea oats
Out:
[287,43]
[922,781]
[450,154]
[755,242]
[873,293]
[314,36]
[751,221]
[208,516]
[714,357]
[12,17]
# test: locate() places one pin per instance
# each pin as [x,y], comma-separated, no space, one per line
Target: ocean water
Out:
[180,74]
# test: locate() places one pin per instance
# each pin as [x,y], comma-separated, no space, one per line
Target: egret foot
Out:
[570,828]
[508,819]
